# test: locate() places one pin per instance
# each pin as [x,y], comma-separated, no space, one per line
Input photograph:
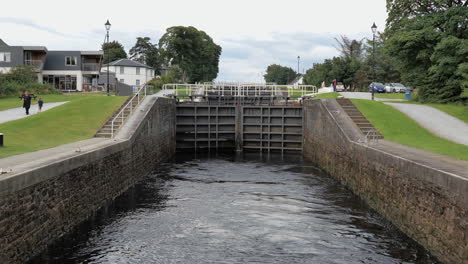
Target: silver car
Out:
[395,88]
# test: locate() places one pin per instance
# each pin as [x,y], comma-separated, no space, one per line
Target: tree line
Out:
[182,54]
[424,45]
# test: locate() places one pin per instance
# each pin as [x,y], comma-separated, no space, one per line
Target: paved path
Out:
[364,95]
[436,121]
[164,92]
[18,113]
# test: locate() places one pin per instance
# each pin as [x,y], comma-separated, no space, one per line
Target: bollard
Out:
[1,139]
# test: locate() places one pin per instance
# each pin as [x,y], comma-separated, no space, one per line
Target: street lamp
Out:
[374,30]
[298,63]
[108,26]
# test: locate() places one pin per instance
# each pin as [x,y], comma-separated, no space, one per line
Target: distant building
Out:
[64,70]
[130,72]
[299,80]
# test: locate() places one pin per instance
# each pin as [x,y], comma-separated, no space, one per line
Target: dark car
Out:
[377,87]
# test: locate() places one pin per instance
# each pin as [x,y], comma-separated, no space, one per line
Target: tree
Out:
[146,52]
[280,75]
[113,51]
[193,51]
[350,48]
[430,51]
[385,65]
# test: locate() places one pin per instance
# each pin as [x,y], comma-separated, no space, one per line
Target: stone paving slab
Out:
[436,121]
[19,112]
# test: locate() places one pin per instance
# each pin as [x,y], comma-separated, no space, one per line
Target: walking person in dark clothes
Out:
[40,103]
[27,102]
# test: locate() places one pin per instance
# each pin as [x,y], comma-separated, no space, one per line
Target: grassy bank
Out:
[399,128]
[77,120]
[390,95]
[327,95]
[14,101]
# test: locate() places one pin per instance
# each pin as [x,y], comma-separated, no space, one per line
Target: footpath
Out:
[19,112]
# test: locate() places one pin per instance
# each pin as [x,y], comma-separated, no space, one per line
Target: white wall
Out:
[129,76]
[4,69]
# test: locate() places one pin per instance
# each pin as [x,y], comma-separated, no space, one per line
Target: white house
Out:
[130,72]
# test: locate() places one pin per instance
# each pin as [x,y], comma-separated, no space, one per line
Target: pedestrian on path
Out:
[40,103]
[26,101]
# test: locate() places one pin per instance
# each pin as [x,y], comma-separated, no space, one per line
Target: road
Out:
[365,95]
[436,121]
[19,112]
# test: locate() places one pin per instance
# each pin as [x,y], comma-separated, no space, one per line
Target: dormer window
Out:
[71,61]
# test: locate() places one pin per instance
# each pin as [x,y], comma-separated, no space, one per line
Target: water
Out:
[228,209]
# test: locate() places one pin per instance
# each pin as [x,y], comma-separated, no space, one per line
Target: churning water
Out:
[226,209]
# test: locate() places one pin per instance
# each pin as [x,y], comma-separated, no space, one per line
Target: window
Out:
[137,70]
[137,82]
[5,56]
[122,80]
[71,61]
[122,69]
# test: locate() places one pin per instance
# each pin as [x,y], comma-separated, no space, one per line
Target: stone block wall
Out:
[33,217]
[427,204]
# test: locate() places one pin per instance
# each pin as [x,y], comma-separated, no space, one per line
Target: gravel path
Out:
[436,121]
[364,95]
[18,113]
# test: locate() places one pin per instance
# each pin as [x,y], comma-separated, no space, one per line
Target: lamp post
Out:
[108,26]
[374,30]
[298,63]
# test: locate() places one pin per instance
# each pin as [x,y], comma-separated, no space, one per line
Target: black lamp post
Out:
[298,63]
[374,30]
[108,26]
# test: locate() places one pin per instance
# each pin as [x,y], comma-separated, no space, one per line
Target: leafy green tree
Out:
[385,65]
[113,51]
[193,51]
[430,51]
[279,74]
[146,52]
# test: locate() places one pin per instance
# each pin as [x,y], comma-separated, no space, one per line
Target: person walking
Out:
[40,103]
[26,102]
[334,85]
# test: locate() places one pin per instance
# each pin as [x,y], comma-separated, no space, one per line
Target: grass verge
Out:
[13,101]
[399,128]
[74,121]
[390,95]
[327,95]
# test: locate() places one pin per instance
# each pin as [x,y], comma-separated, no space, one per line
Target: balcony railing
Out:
[37,64]
[91,67]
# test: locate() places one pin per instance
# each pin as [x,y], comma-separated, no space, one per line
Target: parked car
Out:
[395,88]
[340,87]
[378,87]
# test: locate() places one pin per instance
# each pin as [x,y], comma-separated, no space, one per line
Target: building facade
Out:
[64,70]
[130,72]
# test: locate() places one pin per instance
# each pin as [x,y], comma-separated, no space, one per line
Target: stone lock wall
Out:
[33,217]
[427,204]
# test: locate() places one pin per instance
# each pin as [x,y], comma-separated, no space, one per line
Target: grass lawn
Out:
[390,95]
[399,128]
[14,101]
[77,120]
[327,95]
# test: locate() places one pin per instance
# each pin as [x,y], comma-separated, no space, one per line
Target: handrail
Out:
[121,114]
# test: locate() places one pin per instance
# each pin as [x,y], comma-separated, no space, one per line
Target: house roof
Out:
[92,52]
[35,48]
[127,63]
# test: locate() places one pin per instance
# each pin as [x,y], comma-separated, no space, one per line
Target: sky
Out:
[252,33]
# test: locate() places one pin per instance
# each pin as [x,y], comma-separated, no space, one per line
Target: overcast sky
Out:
[252,33]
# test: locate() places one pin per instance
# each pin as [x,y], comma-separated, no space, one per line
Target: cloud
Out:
[245,59]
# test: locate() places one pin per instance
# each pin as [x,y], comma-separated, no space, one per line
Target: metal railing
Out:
[239,89]
[128,108]
[372,136]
